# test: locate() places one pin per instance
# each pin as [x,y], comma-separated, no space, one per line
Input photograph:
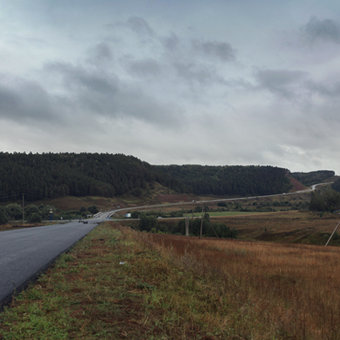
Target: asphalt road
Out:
[24,253]
[108,214]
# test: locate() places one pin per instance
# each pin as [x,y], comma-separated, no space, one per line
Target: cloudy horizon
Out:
[216,83]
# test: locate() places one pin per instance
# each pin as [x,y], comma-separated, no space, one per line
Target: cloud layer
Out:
[169,85]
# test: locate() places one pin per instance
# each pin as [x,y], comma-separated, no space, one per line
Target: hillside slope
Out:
[50,175]
[313,177]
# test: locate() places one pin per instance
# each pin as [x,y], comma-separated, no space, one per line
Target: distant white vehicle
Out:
[128,215]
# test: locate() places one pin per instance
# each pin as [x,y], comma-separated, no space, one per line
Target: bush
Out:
[14,211]
[135,214]
[31,209]
[93,210]
[3,216]
[147,223]
[34,218]
[325,201]
[221,230]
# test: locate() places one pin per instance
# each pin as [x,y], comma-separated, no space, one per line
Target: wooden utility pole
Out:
[201,227]
[330,237]
[23,208]
[187,226]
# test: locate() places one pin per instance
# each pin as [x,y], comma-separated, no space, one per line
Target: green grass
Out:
[114,286]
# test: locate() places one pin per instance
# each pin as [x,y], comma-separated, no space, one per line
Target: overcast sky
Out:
[174,82]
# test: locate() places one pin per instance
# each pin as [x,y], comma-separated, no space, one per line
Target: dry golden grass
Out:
[118,283]
[289,226]
[277,291]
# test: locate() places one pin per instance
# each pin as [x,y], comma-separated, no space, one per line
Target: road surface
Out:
[108,214]
[24,253]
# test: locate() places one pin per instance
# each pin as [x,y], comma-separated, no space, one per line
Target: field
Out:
[283,227]
[119,283]
[224,213]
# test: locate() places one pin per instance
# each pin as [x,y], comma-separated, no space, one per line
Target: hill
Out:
[221,180]
[313,177]
[52,175]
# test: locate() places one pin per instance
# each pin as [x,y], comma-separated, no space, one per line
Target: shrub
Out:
[14,211]
[3,216]
[93,209]
[325,201]
[147,223]
[34,218]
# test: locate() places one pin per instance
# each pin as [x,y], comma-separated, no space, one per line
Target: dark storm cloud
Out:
[145,67]
[171,42]
[194,73]
[220,50]
[328,88]
[100,54]
[80,79]
[104,94]
[286,83]
[181,60]
[22,100]
[322,30]
[139,26]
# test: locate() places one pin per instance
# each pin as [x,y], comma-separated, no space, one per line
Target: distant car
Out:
[85,222]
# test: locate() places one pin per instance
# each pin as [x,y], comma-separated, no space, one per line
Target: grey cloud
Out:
[321,30]
[219,50]
[22,100]
[108,96]
[145,67]
[139,26]
[196,73]
[79,78]
[329,89]
[286,83]
[171,42]
[100,54]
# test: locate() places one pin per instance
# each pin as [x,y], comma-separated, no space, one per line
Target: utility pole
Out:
[330,237]
[23,208]
[187,226]
[192,209]
[201,227]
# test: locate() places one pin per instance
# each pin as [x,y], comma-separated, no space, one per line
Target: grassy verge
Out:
[111,286]
[118,283]
[11,226]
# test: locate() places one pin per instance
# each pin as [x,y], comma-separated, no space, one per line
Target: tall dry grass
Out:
[274,291]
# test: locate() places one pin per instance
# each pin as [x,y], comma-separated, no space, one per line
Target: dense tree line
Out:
[55,175]
[51,175]
[313,177]
[221,180]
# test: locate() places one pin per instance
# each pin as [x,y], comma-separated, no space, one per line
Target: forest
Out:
[309,178]
[51,175]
